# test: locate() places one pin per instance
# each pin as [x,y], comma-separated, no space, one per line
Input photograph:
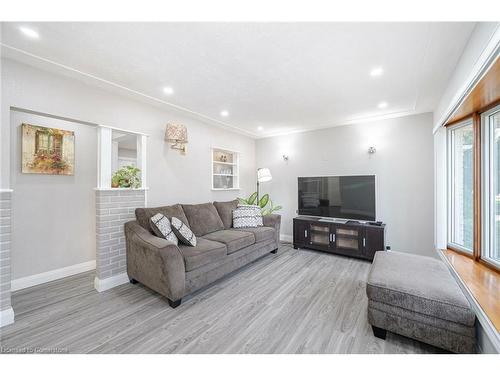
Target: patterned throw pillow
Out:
[247,216]
[161,227]
[183,232]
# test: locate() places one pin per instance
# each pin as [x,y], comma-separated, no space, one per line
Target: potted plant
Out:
[265,203]
[126,177]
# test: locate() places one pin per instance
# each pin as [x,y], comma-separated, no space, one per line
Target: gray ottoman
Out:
[417,297]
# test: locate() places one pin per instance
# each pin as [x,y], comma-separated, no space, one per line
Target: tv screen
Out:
[343,197]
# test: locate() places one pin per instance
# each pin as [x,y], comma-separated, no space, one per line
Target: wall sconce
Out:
[372,150]
[176,135]
[285,157]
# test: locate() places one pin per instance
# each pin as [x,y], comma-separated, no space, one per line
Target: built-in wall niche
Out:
[120,150]
[225,169]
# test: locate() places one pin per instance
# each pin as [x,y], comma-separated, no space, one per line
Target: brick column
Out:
[114,207]
[6,311]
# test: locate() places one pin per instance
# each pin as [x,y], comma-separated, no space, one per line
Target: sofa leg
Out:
[133,281]
[275,251]
[174,304]
[379,332]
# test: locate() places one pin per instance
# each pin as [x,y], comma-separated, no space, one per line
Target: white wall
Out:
[53,221]
[440,193]
[172,177]
[403,164]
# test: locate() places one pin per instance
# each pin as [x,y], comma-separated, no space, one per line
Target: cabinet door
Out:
[300,232]
[374,241]
[348,239]
[319,236]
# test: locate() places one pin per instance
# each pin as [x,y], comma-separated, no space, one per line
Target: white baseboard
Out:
[110,282]
[6,317]
[286,238]
[45,277]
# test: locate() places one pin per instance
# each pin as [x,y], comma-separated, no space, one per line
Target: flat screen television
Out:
[342,197]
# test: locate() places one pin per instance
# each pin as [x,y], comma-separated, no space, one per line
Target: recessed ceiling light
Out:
[260,128]
[224,113]
[377,72]
[168,90]
[29,32]
[382,105]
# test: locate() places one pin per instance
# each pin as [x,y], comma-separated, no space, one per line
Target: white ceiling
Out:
[284,77]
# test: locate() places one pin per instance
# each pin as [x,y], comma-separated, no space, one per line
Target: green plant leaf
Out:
[264,200]
[277,208]
[252,198]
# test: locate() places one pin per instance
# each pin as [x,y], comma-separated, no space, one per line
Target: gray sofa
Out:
[175,271]
[417,297]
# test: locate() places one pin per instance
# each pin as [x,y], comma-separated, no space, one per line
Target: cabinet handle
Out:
[333,237]
[364,242]
[305,233]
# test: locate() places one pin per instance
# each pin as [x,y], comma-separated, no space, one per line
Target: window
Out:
[460,186]
[47,143]
[491,186]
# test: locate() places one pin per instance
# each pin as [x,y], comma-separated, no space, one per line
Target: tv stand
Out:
[350,238]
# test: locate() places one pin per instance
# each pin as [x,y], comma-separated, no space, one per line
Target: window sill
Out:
[481,286]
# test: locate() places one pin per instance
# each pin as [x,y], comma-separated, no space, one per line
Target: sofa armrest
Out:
[154,262]
[273,221]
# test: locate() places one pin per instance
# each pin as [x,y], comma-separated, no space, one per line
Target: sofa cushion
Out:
[232,238]
[143,215]
[205,252]
[183,233]
[225,210]
[260,233]
[418,283]
[162,228]
[203,218]
[247,216]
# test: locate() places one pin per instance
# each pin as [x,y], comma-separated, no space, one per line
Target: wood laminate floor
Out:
[297,301]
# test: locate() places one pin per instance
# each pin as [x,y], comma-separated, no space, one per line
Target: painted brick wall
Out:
[5,238]
[113,209]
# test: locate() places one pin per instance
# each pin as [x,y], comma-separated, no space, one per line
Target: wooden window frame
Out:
[478,186]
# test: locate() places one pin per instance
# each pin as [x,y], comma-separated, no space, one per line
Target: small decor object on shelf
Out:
[176,135]
[126,177]
[47,150]
[265,203]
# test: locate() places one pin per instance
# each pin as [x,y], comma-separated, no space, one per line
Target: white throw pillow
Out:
[161,227]
[183,233]
[247,216]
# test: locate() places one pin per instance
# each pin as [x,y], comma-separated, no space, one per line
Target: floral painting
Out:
[47,150]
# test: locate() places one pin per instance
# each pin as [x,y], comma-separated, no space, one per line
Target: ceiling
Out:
[272,78]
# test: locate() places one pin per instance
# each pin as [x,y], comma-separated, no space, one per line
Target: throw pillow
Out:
[247,216]
[161,227]
[183,233]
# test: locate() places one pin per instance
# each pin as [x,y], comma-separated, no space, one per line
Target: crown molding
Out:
[353,121]
[15,52]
